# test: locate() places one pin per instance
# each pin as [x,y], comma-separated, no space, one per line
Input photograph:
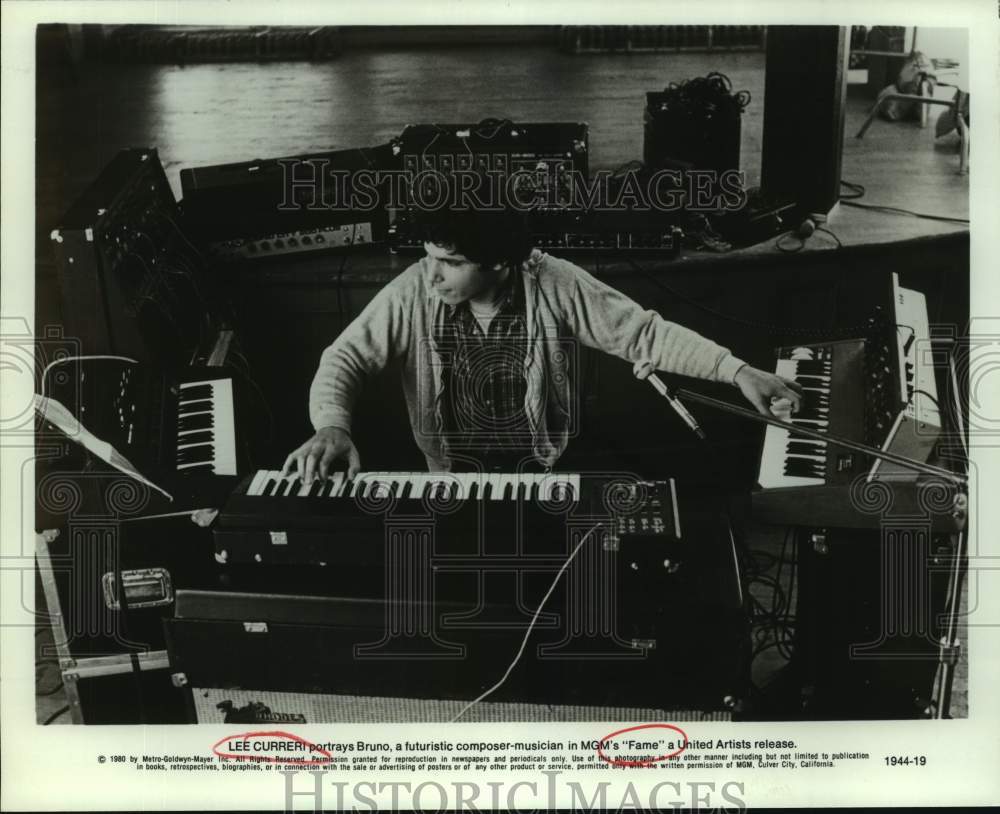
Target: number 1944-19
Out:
[909,760]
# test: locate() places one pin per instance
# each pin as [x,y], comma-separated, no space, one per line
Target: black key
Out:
[196,406]
[488,491]
[521,493]
[195,422]
[268,487]
[196,437]
[796,436]
[805,448]
[798,466]
[316,487]
[405,491]
[474,490]
[805,367]
[508,491]
[801,472]
[203,453]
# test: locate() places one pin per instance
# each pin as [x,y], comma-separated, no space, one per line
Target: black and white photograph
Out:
[483,388]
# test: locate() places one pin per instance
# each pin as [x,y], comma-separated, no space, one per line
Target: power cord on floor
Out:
[858,191]
[56,714]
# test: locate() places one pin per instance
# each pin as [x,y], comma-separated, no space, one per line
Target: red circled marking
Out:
[620,762]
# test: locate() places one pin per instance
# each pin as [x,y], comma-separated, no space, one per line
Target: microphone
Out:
[675,402]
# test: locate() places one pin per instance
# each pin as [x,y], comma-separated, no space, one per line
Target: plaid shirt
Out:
[484,382]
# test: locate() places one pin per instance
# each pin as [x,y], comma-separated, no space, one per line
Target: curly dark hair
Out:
[486,238]
[484,235]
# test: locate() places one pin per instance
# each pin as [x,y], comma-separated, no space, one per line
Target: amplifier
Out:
[644,622]
[876,654]
[805,92]
[548,159]
[451,652]
[290,205]
[496,146]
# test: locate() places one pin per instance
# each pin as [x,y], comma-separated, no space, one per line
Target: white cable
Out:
[52,364]
[531,626]
[957,404]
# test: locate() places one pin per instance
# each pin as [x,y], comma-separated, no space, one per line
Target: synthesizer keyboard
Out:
[206,433]
[279,518]
[852,391]
[179,430]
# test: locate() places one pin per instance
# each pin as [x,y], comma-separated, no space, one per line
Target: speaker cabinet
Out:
[805,87]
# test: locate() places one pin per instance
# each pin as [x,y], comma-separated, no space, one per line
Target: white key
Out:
[417,482]
[574,482]
[465,481]
[338,484]
[495,482]
[530,481]
[259,479]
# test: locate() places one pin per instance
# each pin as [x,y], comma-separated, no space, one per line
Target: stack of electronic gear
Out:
[131,281]
[549,167]
[291,206]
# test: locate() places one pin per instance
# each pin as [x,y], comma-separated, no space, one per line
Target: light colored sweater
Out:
[565,307]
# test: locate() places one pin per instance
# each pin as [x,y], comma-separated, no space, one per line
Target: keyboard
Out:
[852,390]
[206,433]
[276,518]
[420,485]
[179,430]
[831,379]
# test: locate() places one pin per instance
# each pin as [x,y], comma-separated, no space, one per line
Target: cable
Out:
[831,234]
[857,189]
[531,626]
[55,715]
[789,249]
[957,403]
[928,395]
[52,364]
[894,210]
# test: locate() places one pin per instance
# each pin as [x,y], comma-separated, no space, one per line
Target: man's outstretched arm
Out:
[604,318]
